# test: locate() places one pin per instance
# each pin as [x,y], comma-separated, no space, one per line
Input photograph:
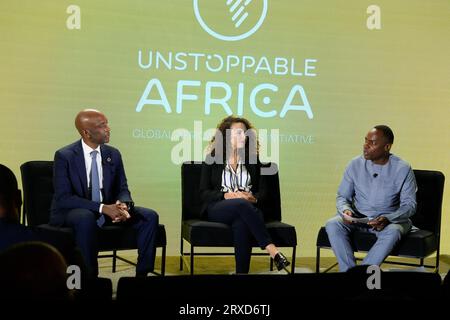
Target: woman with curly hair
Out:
[229,189]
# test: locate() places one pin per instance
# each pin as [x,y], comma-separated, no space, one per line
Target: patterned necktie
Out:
[95,184]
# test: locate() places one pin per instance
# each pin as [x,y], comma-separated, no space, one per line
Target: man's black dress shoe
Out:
[281,261]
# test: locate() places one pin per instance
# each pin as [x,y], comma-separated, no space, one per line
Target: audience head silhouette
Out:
[33,271]
[10,197]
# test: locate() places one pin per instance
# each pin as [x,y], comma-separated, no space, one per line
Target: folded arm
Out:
[345,194]
[408,203]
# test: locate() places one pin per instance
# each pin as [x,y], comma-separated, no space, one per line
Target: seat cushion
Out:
[417,243]
[202,233]
[282,234]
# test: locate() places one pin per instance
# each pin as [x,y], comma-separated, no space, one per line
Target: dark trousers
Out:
[247,224]
[144,221]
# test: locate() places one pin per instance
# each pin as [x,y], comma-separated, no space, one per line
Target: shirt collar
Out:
[238,167]
[87,150]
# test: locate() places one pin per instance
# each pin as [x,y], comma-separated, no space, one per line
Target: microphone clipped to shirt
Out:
[375,175]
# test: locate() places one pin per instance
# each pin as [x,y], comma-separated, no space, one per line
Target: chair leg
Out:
[181,254]
[163,261]
[114,261]
[421,262]
[318,260]
[22,214]
[192,260]
[294,249]
[437,262]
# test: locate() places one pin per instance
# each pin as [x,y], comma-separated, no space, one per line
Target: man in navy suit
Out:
[91,191]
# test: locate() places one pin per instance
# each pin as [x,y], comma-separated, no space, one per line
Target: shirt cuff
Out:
[101,207]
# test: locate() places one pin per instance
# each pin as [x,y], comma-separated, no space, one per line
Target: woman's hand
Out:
[240,195]
[248,196]
[231,195]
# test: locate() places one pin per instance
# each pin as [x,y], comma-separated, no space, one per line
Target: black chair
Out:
[201,233]
[37,182]
[95,290]
[417,244]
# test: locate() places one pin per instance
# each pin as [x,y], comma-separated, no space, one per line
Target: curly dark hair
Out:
[218,149]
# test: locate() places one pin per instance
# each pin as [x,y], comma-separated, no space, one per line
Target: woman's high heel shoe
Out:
[281,261]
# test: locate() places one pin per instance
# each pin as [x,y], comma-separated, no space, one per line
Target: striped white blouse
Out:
[238,180]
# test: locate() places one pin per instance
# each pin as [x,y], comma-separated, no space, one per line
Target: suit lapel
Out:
[106,167]
[81,168]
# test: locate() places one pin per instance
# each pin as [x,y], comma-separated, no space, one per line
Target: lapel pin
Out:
[108,159]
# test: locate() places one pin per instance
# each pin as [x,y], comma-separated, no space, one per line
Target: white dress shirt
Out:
[88,161]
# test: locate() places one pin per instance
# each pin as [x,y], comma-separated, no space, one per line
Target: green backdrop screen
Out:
[312,76]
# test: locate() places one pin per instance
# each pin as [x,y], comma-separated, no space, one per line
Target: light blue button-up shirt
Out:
[374,190]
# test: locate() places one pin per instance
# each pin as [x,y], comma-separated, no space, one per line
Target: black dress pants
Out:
[247,224]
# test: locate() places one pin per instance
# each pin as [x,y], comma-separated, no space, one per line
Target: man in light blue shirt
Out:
[380,188]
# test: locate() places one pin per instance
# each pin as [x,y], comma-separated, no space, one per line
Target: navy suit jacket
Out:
[70,181]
